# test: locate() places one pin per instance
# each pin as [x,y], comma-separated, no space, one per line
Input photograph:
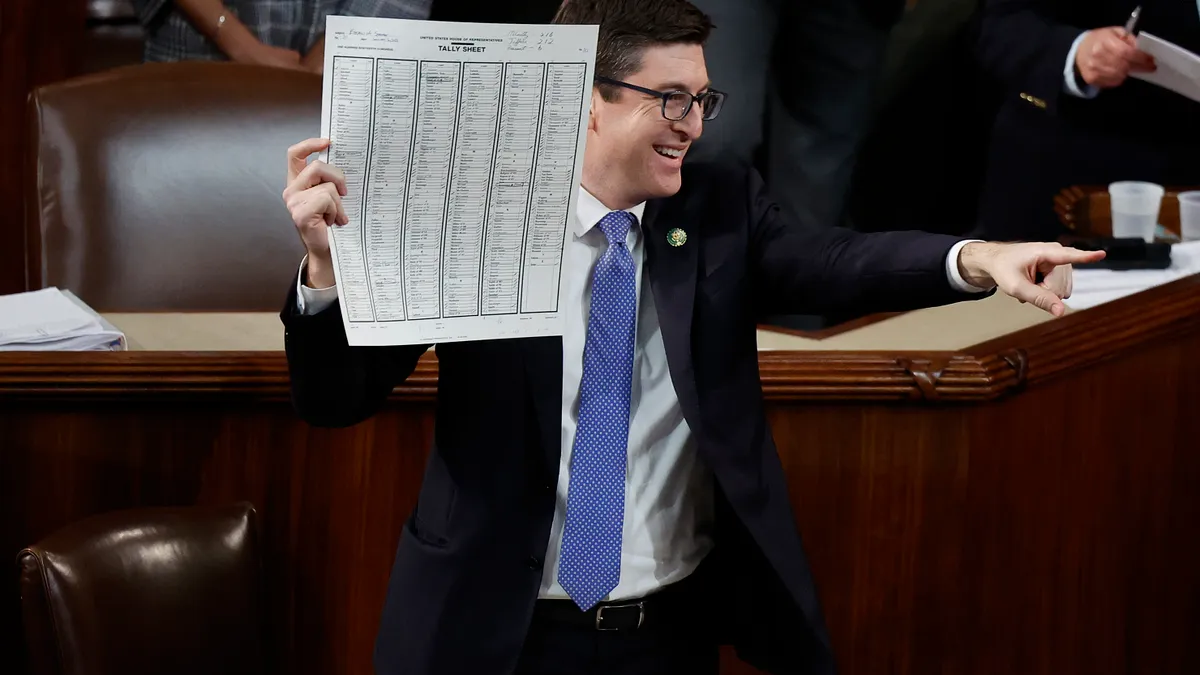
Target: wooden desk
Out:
[982,489]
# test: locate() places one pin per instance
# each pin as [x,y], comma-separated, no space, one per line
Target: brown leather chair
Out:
[163,591]
[158,186]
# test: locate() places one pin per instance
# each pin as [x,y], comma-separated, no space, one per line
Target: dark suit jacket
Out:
[1045,139]
[469,563]
[932,116]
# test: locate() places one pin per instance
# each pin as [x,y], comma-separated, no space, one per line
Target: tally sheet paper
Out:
[462,146]
[1178,69]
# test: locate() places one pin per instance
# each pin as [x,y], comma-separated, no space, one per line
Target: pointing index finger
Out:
[298,155]
[1072,256]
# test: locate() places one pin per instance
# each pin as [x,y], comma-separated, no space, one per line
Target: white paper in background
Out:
[1096,287]
[50,319]
[462,146]
[39,316]
[1177,68]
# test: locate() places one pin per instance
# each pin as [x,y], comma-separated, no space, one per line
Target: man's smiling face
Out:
[633,152]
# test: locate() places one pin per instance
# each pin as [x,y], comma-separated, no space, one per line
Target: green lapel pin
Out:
[676,237]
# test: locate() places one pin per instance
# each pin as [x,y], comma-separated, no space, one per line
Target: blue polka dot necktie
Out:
[590,561]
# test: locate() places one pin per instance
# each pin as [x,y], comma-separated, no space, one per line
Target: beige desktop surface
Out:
[200,331]
[946,328]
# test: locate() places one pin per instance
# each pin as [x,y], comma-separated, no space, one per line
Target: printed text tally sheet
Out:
[462,146]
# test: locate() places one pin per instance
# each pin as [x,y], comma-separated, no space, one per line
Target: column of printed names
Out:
[552,187]
[350,121]
[479,115]
[520,109]
[388,176]
[425,208]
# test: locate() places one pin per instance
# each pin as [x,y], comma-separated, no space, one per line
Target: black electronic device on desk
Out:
[1124,254]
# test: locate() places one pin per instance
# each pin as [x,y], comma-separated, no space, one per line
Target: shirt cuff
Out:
[956,279]
[1069,81]
[311,301]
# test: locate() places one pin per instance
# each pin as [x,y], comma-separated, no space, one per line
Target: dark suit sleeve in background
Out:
[334,384]
[1025,48]
[834,270]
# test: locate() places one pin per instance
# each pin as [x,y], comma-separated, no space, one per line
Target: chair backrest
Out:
[158,186]
[146,592]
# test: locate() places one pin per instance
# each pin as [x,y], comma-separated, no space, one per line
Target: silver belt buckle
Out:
[600,614]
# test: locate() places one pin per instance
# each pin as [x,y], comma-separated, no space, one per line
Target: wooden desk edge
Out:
[983,372]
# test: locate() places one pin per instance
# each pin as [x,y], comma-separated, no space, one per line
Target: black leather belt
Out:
[671,606]
[614,616]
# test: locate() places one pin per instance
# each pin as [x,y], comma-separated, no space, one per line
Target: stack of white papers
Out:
[1177,68]
[54,320]
[1096,287]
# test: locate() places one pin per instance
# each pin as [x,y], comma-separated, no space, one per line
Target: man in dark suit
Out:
[804,76]
[611,500]
[1072,114]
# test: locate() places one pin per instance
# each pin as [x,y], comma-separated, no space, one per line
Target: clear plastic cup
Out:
[1135,206]
[1189,215]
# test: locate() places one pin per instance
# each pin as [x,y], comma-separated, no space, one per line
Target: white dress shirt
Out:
[668,489]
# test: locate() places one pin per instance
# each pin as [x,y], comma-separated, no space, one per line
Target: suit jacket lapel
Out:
[672,274]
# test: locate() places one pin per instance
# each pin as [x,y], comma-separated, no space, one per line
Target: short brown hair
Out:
[628,27]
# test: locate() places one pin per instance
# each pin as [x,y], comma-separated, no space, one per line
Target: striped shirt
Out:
[290,24]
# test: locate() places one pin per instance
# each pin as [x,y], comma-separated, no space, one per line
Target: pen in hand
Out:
[1133,19]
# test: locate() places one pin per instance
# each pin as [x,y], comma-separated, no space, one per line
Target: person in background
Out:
[940,140]
[490,11]
[803,75]
[281,33]
[1073,114]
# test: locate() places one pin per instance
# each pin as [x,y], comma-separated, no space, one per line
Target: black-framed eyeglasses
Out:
[677,104]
